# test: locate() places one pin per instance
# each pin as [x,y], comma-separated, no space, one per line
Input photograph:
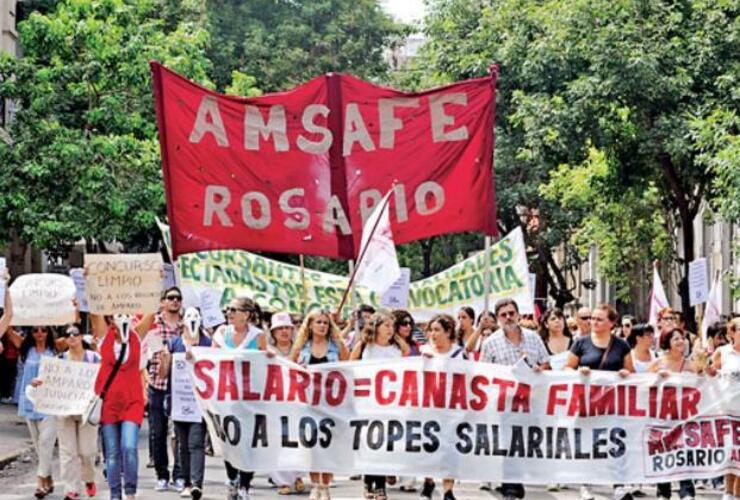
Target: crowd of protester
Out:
[136,358]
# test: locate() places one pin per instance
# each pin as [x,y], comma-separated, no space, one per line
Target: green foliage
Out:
[282,43]
[84,162]
[625,77]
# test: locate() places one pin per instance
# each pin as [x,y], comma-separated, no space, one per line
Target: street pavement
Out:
[17,479]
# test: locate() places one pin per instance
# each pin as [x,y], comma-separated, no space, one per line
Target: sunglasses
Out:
[585,318]
[234,310]
[405,323]
[73,333]
[173,297]
[507,314]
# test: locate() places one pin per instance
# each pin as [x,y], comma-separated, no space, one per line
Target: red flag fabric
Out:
[299,171]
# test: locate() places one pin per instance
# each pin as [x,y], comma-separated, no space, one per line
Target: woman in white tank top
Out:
[641,340]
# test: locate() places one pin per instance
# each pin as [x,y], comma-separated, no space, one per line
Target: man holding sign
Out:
[167,327]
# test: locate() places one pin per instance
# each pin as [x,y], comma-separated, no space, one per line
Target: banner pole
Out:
[304,292]
[487,275]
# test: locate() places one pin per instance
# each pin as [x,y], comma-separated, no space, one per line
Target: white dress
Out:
[730,360]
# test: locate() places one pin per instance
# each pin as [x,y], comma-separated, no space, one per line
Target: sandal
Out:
[40,493]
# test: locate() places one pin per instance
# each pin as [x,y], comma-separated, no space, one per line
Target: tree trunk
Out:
[426,254]
[687,228]
[17,262]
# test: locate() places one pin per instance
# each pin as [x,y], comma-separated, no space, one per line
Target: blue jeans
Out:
[121,441]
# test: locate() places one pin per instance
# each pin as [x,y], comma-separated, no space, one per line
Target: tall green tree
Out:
[282,43]
[626,77]
[84,158]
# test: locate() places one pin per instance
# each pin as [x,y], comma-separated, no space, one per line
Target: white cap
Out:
[280,319]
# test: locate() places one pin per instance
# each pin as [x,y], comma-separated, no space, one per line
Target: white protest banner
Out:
[184,406]
[658,298]
[465,420]
[43,299]
[3,270]
[123,283]
[78,276]
[397,296]
[67,386]
[698,283]
[377,265]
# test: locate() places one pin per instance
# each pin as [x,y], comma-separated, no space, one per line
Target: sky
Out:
[405,10]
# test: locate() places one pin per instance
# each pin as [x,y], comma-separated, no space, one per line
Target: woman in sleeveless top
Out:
[556,336]
[641,341]
[241,332]
[378,341]
[442,344]
[319,341]
[673,343]
[726,362]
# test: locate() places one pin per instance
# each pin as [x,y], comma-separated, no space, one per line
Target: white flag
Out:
[378,266]
[658,299]
[713,308]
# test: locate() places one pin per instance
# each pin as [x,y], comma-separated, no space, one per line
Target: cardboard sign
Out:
[170,277]
[397,296]
[184,405]
[67,386]
[123,283]
[78,276]
[43,299]
[698,282]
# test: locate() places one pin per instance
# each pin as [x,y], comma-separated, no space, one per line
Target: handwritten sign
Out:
[397,296]
[78,276]
[123,284]
[67,386]
[170,277]
[698,283]
[210,307]
[43,299]
[184,405]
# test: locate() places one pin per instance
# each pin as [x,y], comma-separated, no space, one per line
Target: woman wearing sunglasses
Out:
[403,326]
[37,344]
[78,444]
[319,341]
[242,331]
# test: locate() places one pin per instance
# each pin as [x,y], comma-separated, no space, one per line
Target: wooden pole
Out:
[304,290]
[487,275]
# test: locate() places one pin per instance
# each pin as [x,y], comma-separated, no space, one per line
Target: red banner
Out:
[299,171]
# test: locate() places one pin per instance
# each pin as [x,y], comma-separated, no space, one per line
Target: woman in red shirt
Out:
[123,403]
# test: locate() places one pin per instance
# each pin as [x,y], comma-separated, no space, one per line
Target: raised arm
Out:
[7,309]
[143,326]
[98,325]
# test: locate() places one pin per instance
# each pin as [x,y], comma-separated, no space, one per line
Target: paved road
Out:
[17,481]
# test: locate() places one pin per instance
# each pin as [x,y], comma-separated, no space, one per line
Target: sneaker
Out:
[314,495]
[380,494]
[727,496]
[299,486]
[243,494]
[449,495]
[284,490]
[150,464]
[485,486]
[553,487]
[162,485]
[196,493]
[586,493]
[232,493]
[179,484]
[356,477]
[91,489]
[186,492]
[427,490]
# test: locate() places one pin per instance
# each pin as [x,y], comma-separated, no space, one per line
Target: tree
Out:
[84,159]
[283,43]
[626,77]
